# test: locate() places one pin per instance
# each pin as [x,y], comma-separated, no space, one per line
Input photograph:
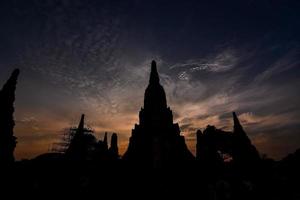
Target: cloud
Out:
[29,119]
[221,62]
[272,120]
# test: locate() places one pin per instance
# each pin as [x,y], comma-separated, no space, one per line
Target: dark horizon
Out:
[213,58]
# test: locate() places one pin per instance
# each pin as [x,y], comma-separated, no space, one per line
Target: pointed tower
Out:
[80,128]
[238,130]
[81,142]
[154,78]
[156,140]
[198,144]
[114,150]
[237,127]
[244,152]
[155,97]
[105,141]
[236,122]
[7,138]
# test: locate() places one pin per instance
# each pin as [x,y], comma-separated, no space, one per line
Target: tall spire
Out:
[198,145]
[105,141]
[154,78]
[81,124]
[236,123]
[238,129]
[114,146]
[244,153]
[155,97]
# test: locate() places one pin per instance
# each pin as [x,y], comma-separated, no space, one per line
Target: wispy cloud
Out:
[221,62]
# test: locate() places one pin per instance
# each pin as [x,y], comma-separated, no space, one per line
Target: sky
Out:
[94,57]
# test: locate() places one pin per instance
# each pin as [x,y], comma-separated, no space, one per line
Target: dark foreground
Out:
[118,179]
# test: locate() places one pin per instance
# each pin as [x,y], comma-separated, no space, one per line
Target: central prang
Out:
[156,140]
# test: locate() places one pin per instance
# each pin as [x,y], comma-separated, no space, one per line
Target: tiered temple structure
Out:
[156,140]
[7,138]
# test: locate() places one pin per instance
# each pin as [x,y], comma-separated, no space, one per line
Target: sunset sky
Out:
[94,57]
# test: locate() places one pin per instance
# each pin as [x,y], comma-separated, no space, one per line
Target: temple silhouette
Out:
[7,139]
[157,161]
[216,147]
[156,140]
[80,144]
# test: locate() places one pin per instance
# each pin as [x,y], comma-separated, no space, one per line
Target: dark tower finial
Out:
[7,138]
[155,97]
[81,124]
[236,123]
[114,146]
[14,75]
[244,152]
[105,141]
[154,78]
[198,144]
[10,86]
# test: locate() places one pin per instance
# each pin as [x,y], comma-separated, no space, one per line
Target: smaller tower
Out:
[80,128]
[82,142]
[114,150]
[198,145]
[105,141]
